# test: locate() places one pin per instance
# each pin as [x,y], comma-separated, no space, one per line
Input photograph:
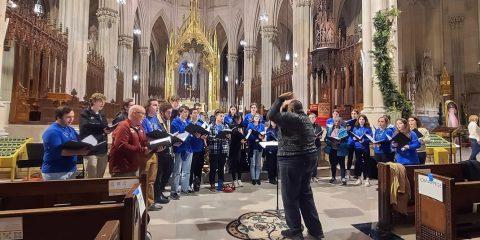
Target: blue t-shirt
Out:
[253,138]
[249,119]
[53,138]
[197,144]
[381,135]
[151,124]
[178,125]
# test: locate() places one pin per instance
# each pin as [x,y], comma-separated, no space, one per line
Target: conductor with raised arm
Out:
[297,154]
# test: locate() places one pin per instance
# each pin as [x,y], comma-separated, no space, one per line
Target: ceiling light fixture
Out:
[243,43]
[38,8]
[137,31]
[12,4]
[123,2]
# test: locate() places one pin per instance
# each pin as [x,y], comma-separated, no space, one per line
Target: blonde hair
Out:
[473,118]
[97,96]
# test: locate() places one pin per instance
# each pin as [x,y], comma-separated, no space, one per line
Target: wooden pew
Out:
[404,207]
[109,231]
[447,209]
[22,195]
[76,222]
[79,192]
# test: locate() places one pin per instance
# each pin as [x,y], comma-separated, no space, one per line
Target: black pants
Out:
[351,151]
[217,166]
[383,157]
[334,160]
[198,159]
[364,164]
[271,166]
[165,168]
[297,196]
[315,166]
[422,156]
[235,165]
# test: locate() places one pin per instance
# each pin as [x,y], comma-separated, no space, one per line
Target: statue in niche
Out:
[428,88]
[451,114]
[329,36]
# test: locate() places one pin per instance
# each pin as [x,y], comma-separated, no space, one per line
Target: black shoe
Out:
[175,196]
[254,182]
[292,234]
[332,180]
[317,236]
[344,181]
[196,187]
[258,182]
[163,200]
[273,181]
[155,207]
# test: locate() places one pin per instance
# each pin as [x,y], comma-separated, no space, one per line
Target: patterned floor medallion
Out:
[258,225]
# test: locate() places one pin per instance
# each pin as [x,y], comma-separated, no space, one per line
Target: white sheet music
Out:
[183,136]
[90,140]
[269,144]
[161,140]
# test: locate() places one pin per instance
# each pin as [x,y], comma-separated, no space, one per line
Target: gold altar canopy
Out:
[192,35]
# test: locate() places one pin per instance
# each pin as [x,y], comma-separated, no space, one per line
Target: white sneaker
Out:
[239,182]
[367,183]
[358,182]
[235,183]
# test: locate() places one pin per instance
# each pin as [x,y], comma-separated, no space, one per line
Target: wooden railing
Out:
[40,59]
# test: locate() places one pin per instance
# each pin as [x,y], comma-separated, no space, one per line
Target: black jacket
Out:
[296,135]
[318,134]
[94,124]
[121,116]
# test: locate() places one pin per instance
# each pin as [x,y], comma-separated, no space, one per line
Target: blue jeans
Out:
[58,176]
[181,171]
[255,167]
[475,149]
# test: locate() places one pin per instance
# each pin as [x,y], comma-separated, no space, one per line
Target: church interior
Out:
[411,67]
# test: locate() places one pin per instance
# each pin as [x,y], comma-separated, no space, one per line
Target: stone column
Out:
[249,74]
[144,74]
[108,44]
[74,15]
[4,103]
[372,97]
[301,46]
[232,75]
[269,35]
[125,59]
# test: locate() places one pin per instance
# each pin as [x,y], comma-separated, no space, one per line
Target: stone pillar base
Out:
[4,113]
[373,113]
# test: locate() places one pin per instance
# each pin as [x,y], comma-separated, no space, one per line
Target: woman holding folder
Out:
[255,130]
[337,148]
[406,144]
[362,149]
[381,141]
[423,136]
[271,153]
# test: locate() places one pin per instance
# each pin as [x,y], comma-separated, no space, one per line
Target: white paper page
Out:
[370,138]
[161,140]
[268,144]
[141,202]
[183,136]
[90,140]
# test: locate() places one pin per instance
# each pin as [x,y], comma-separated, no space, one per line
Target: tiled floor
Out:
[205,215]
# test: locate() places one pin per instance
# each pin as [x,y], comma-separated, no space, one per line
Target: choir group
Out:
[228,141]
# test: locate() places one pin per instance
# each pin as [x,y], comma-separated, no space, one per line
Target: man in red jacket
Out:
[129,146]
